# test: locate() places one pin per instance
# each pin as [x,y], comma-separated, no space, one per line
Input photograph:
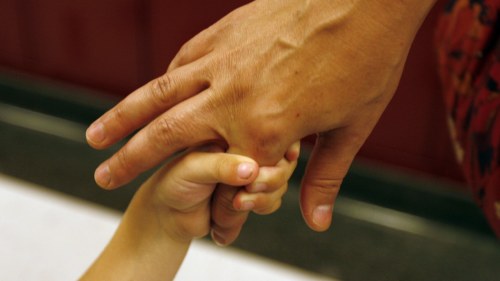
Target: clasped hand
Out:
[263,77]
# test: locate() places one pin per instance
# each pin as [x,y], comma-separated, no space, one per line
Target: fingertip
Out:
[247,205]
[224,236]
[244,202]
[322,217]
[318,216]
[317,200]
[234,170]
[247,170]
[293,152]
[96,135]
[218,239]
[102,176]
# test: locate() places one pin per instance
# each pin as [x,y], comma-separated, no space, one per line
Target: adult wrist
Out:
[399,13]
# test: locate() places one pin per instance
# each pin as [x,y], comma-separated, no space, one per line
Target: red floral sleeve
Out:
[469,66]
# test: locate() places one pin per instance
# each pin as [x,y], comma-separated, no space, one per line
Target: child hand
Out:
[262,196]
[182,190]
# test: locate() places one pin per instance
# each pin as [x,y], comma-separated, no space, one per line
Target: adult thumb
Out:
[330,160]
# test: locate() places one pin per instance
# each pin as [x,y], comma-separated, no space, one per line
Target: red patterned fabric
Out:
[469,66]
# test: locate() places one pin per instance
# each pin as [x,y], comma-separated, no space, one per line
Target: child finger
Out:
[272,178]
[210,168]
[260,203]
[293,152]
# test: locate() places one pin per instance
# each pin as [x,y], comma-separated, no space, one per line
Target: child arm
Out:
[173,207]
[169,209]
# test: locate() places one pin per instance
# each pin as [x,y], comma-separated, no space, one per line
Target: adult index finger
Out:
[145,104]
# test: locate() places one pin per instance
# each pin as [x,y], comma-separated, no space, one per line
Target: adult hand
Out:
[264,76]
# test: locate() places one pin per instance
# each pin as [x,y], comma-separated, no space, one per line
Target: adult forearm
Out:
[393,21]
[404,17]
[402,12]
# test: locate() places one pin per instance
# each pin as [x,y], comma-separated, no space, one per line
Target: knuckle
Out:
[123,162]
[225,201]
[174,132]
[326,186]
[163,130]
[163,89]
[219,168]
[266,145]
[119,114]
[184,52]
[274,177]
[269,140]
[280,179]
[225,215]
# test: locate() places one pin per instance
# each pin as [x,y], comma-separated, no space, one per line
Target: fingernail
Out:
[103,175]
[322,215]
[95,133]
[258,187]
[217,238]
[247,205]
[245,170]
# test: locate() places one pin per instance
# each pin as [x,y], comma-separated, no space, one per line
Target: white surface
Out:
[48,236]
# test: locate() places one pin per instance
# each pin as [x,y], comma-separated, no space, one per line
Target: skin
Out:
[263,77]
[173,207]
